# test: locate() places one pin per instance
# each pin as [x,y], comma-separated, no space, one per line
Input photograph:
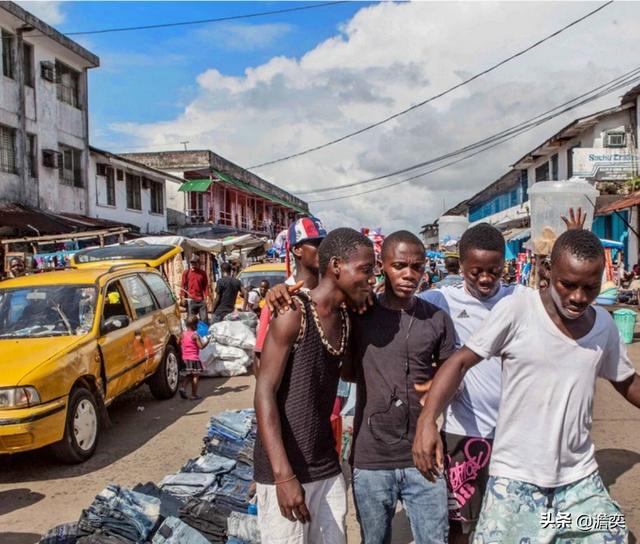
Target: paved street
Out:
[142,445]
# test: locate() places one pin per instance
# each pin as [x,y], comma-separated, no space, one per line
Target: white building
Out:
[43,114]
[126,191]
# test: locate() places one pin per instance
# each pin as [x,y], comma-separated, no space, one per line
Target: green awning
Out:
[251,189]
[196,185]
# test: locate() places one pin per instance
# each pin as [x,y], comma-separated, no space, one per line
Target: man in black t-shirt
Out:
[227,289]
[395,348]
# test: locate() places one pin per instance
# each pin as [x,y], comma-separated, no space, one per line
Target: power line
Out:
[202,21]
[491,142]
[435,97]
[603,89]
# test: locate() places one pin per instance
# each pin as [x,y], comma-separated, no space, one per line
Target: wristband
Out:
[285,481]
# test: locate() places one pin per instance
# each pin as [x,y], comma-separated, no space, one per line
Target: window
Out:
[7,149]
[139,297]
[70,166]
[615,139]
[110,184]
[120,175]
[160,290]
[134,201]
[27,54]
[8,63]
[542,172]
[32,156]
[68,84]
[157,200]
[554,167]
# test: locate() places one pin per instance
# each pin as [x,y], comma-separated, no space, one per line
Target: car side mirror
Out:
[114,323]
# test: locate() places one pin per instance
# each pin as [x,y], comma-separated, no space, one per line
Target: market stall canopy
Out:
[517,235]
[244,241]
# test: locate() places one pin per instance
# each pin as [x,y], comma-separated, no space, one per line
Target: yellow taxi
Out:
[251,277]
[72,341]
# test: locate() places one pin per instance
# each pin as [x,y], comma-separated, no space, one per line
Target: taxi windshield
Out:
[50,310]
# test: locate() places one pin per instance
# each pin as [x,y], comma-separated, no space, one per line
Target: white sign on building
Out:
[604,164]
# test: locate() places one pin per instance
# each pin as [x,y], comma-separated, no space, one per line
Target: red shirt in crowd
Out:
[195,283]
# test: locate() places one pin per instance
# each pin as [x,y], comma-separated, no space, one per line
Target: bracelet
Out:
[285,481]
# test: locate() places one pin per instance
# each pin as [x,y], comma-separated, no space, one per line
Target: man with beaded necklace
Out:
[300,488]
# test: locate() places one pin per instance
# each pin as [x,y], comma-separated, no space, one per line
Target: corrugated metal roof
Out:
[622,204]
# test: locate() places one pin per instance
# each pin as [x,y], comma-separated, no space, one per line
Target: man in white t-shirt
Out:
[470,418]
[544,484]
[255,296]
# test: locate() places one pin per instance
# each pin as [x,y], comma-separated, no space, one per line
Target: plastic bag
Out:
[233,333]
[219,360]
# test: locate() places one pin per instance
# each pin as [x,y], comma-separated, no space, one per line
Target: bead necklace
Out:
[345,332]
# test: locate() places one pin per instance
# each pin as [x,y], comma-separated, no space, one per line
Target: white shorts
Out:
[327,504]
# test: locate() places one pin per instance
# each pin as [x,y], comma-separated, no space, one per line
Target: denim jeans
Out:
[120,512]
[232,424]
[377,492]
[188,484]
[67,533]
[174,531]
[169,504]
[208,519]
[243,527]
[210,463]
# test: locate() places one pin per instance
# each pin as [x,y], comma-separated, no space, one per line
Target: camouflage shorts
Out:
[515,512]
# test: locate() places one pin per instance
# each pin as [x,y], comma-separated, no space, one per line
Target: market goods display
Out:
[210,499]
[230,353]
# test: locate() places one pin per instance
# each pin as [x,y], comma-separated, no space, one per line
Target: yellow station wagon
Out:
[72,341]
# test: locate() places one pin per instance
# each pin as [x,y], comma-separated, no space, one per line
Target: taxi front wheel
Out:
[81,428]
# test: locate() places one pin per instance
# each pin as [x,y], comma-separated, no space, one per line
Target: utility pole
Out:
[185,144]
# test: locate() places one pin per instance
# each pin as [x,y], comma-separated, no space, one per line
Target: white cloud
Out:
[242,37]
[387,57]
[50,12]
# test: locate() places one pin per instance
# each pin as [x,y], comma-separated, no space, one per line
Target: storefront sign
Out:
[604,164]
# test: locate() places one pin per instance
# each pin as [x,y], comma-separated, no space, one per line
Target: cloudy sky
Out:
[258,89]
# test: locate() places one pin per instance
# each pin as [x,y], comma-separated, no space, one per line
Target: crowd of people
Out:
[512,370]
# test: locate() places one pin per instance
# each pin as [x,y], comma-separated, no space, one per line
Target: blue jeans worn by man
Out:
[377,493]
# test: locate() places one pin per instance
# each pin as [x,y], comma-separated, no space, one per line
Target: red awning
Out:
[622,204]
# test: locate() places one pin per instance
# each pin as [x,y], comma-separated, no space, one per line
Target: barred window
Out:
[134,201]
[8,62]
[7,149]
[157,200]
[70,168]
[68,82]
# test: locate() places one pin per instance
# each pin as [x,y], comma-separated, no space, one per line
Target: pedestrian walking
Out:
[300,488]
[227,289]
[553,344]
[190,345]
[396,346]
[196,286]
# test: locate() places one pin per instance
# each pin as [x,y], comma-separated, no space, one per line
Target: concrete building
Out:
[44,135]
[219,197]
[126,191]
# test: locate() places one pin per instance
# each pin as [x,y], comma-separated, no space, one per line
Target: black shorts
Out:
[467,471]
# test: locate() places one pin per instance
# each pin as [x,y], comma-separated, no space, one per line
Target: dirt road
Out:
[146,444]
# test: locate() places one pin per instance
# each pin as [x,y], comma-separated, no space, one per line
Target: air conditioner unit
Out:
[48,71]
[51,158]
[102,169]
[615,139]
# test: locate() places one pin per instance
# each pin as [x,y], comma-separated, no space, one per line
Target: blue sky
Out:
[255,90]
[149,75]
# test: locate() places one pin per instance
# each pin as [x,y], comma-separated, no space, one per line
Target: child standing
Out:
[191,344]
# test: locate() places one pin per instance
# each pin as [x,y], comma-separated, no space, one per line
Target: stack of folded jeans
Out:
[174,531]
[234,493]
[185,485]
[119,512]
[207,518]
[243,527]
[169,504]
[209,463]
[66,533]
[232,425]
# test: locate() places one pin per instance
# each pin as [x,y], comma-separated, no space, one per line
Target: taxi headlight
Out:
[18,397]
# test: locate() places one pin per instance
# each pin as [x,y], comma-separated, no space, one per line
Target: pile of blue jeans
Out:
[207,501]
[119,512]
